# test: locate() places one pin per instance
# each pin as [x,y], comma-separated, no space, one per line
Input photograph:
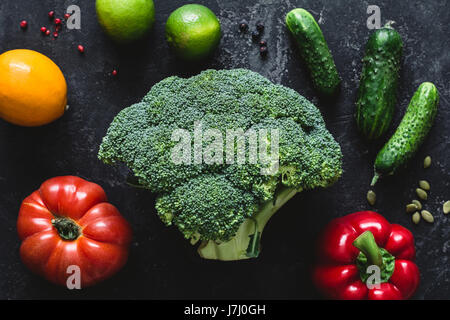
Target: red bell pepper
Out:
[350,244]
[68,222]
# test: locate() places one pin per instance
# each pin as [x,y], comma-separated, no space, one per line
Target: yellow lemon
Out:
[33,90]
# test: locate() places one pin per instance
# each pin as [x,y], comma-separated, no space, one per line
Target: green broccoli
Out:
[224,204]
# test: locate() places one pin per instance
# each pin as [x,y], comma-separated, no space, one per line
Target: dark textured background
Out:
[162,264]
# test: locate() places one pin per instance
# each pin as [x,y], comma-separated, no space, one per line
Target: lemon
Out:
[33,90]
[193,31]
[125,20]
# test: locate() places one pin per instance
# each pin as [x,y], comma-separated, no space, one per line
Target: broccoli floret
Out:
[224,204]
[215,216]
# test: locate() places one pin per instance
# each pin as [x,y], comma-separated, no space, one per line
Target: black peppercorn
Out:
[260,27]
[255,35]
[263,51]
[243,26]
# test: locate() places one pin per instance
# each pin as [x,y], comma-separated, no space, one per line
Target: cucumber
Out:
[314,51]
[377,91]
[411,132]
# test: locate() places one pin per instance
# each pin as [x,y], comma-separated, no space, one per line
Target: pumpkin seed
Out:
[371,197]
[424,185]
[418,204]
[422,194]
[427,162]
[427,216]
[416,217]
[446,207]
[410,208]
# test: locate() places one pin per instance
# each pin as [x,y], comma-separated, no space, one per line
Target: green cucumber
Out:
[377,91]
[411,132]
[314,51]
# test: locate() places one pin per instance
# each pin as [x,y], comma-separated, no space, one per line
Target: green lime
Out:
[125,20]
[193,31]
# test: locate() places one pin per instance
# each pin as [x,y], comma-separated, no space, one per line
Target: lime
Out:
[125,20]
[193,31]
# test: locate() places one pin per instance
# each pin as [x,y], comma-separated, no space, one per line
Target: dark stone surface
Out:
[162,264]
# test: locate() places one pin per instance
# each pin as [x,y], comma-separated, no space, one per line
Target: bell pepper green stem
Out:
[367,245]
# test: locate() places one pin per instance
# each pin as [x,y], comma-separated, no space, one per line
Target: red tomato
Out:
[67,222]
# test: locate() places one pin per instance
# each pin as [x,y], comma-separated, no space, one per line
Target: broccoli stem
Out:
[245,244]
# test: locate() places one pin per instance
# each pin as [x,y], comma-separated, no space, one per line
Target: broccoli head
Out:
[245,145]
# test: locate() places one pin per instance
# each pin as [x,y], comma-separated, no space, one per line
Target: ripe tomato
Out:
[67,222]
